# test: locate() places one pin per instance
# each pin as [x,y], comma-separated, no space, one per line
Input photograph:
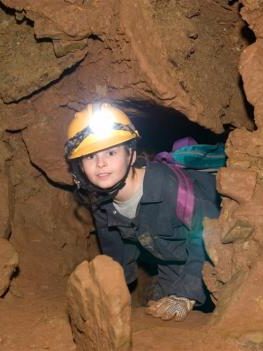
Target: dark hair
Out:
[131,144]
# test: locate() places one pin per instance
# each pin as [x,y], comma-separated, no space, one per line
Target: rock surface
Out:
[243,295]
[8,264]
[99,306]
[239,308]
[28,64]
[170,68]
[5,195]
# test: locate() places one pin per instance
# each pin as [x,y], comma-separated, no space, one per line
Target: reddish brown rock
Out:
[220,271]
[4,207]
[240,230]
[151,54]
[28,65]
[99,306]
[245,150]
[48,153]
[245,255]
[236,183]
[4,193]
[8,264]
[16,117]
[252,59]
[211,281]
[128,64]
[226,220]
[64,19]
[240,310]
[252,13]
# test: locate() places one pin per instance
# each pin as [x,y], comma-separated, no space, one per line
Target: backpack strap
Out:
[185,201]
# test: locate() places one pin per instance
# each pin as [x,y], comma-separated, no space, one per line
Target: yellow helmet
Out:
[98,127]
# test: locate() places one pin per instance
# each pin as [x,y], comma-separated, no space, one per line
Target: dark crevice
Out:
[249,108]
[7,10]
[58,185]
[159,126]
[66,72]
[248,35]
[24,20]
[15,131]
[14,275]
[44,40]
[19,15]
[94,36]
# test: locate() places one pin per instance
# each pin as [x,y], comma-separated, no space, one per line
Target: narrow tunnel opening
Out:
[160,126]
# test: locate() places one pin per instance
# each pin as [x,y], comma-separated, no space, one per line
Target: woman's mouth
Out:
[103,175]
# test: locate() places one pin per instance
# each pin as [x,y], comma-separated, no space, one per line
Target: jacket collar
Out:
[153,183]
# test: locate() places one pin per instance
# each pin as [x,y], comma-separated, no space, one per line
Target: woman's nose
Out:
[101,160]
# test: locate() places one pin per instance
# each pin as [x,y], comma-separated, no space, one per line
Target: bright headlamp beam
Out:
[102,123]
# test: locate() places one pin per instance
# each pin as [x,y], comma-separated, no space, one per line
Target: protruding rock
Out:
[237,183]
[8,264]
[53,162]
[241,230]
[100,306]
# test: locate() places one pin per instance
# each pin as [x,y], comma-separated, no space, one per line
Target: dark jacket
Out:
[177,250]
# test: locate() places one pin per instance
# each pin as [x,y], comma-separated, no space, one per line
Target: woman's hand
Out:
[170,307]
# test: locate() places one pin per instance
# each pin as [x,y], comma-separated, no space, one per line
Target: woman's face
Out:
[107,167]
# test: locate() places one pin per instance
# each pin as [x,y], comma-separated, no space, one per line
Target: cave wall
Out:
[59,55]
[196,48]
[234,241]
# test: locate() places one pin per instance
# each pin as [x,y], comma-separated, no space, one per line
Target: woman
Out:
[136,209]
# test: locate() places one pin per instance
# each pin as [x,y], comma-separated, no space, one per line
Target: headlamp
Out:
[102,123]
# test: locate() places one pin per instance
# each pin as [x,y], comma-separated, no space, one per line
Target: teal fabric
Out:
[200,156]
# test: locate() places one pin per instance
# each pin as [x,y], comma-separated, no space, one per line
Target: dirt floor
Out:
[35,318]
[34,309]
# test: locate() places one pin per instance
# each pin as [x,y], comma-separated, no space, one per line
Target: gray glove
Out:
[170,307]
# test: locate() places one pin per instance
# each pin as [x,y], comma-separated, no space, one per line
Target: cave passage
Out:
[159,126]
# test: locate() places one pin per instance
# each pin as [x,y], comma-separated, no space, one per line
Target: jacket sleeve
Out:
[183,280]
[184,277]
[111,244]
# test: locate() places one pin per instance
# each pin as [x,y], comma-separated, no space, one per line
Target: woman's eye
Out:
[90,157]
[112,152]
